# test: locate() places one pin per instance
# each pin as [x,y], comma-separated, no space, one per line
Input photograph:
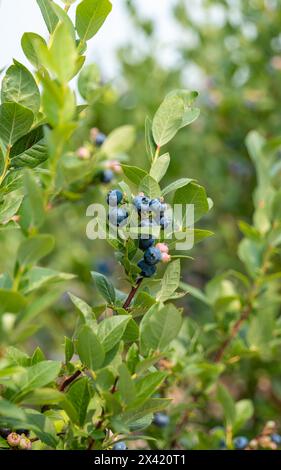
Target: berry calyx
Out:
[161,420]
[114,197]
[120,446]
[146,269]
[152,255]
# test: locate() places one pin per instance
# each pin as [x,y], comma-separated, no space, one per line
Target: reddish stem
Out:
[132,293]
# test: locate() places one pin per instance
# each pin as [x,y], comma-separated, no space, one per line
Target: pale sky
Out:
[18,16]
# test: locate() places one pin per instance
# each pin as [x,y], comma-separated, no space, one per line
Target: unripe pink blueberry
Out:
[114,165]
[83,153]
[25,443]
[13,439]
[166,258]
[162,247]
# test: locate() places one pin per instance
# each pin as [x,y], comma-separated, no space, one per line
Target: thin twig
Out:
[132,293]
[236,327]
[69,380]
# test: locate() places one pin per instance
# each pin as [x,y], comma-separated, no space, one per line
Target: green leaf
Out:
[62,53]
[48,14]
[126,386]
[30,150]
[190,112]
[244,411]
[89,82]
[176,185]
[151,406]
[32,209]
[46,395]
[195,292]
[38,375]
[150,187]
[68,349]
[59,106]
[227,404]
[11,301]
[167,120]
[119,141]
[33,249]
[134,174]
[83,307]
[149,142]
[104,286]
[159,326]
[15,121]
[170,281]
[31,43]
[19,86]
[160,167]
[193,194]
[148,385]
[90,16]
[111,330]
[78,395]
[37,277]
[10,206]
[89,348]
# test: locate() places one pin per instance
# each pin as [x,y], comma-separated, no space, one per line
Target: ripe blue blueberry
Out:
[276,438]
[145,243]
[106,176]
[163,222]
[161,420]
[155,206]
[4,432]
[117,215]
[146,269]
[100,138]
[141,203]
[240,442]
[152,255]
[120,446]
[23,431]
[114,197]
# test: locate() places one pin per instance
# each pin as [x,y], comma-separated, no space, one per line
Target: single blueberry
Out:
[155,206]
[4,432]
[240,442]
[145,243]
[117,215]
[100,138]
[114,197]
[161,420]
[163,222]
[106,176]
[146,269]
[152,255]
[276,438]
[23,431]
[141,203]
[120,446]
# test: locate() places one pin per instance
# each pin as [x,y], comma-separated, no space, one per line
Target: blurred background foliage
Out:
[231,54]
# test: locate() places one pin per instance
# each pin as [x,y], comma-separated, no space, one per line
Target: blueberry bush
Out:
[105,342]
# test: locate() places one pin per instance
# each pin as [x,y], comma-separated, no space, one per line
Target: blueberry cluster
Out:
[17,439]
[240,442]
[154,209]
[151,213]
